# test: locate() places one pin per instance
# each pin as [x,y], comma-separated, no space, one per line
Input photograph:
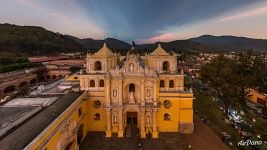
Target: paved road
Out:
[202,139]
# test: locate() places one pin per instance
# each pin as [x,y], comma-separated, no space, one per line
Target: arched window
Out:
[96,116]
[131,87]
[167,117]
[161,83]
[171,84]
[92,83]
[54,76]
[166,66]
[98,65]
[101,83]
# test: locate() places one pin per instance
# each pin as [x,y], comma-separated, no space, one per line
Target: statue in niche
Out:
[148,119]
[131,98]
[115,93]
[115,119]
[148,92]
[131,67]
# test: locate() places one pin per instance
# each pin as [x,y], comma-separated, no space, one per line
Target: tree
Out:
[6,61]
[74,69]
[231,78]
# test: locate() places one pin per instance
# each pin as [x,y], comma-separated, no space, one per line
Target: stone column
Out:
[97,84]
[154,125]
[142,124]
[155,92]
[108,130]
[142,92]
[120,132]
[167,84]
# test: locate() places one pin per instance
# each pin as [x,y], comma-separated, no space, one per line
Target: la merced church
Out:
[146,92]
[117,96]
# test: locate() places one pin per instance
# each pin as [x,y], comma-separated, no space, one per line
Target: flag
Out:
[133,44]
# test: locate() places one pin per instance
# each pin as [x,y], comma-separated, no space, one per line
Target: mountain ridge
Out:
[231,42]
[35,40]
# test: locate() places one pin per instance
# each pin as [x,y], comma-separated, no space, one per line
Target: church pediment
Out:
[104,52]
[159,51]
[132,66]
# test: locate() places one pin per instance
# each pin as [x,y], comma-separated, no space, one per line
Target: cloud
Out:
[147,21]
[162,38]
[63,16]
[249,13]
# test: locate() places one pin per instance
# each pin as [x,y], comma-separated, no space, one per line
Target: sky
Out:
[143,21]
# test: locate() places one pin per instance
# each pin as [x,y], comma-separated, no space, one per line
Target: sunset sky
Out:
[141,20]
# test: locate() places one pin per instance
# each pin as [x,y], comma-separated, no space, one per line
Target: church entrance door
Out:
[131,128]
[132,118]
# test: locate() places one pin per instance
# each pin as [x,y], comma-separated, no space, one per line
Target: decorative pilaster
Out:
[108,131]
[105,66]
[142,124]
[154,125]
[155,87]
[120,92]
[108,92]
[142,92]
[120,132]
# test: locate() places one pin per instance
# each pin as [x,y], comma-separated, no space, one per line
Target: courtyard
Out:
[202,137]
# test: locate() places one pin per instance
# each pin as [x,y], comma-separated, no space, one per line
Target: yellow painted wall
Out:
[96,125]
[186,111]
[186,103]
[50,137]
[172,124]
[186,115]
[180,111]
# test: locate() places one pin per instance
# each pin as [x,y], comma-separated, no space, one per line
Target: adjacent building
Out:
[257,97]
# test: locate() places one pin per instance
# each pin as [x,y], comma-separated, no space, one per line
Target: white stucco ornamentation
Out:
[68,133]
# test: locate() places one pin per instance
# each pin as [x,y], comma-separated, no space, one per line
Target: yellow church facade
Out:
[120,92]
[147,92]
